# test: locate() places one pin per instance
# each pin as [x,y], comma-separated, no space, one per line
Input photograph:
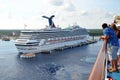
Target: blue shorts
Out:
[118,53]
[113,52]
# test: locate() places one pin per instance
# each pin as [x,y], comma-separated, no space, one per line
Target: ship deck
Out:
[99,70]
[113,75]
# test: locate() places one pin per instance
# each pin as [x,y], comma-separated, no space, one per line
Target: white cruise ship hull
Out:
[49,47]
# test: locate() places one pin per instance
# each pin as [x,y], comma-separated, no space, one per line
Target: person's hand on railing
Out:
[103,37]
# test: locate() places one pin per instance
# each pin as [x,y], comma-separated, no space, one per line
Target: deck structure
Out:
[99,70]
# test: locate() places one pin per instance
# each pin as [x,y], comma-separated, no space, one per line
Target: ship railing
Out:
[98,71]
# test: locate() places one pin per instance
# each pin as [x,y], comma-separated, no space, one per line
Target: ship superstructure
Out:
[50,38]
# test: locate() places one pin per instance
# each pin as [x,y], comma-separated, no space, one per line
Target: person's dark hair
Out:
[104,25]
[114,27]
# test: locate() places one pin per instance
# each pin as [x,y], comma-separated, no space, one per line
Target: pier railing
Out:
[98,70]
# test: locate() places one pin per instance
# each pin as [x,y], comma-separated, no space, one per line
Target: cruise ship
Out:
[50,38]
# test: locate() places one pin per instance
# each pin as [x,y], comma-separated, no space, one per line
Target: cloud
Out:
[56,2]
[102,12]
[87,19]
[68,6]
[65,5]
[84,13]
[66,12]
[2,4]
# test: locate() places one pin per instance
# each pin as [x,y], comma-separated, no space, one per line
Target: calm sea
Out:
[69,64]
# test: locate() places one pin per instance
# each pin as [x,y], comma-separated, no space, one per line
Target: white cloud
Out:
[84,13]
[65,5]
[15,14]
[86,19]
[2,4]
[68,6]
[56,2]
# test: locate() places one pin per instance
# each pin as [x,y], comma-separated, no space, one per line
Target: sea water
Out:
[69,64]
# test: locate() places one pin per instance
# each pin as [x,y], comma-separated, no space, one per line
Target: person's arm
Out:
[104,37]
[106,34]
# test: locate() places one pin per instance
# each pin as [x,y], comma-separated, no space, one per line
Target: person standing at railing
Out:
[117,30]
[112,40]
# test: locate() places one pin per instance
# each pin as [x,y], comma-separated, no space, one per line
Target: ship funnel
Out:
[51,23]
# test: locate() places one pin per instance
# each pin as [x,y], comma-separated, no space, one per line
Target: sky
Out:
[90,14]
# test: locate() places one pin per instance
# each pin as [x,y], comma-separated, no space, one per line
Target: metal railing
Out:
[98,70]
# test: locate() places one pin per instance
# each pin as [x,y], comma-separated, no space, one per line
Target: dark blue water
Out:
[69,64]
